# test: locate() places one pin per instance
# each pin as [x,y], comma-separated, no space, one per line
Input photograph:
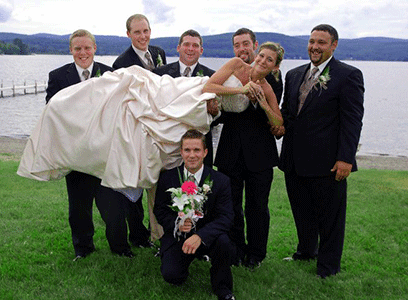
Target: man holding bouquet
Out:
[194,206]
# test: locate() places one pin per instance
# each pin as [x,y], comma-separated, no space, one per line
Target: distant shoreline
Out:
[14,147]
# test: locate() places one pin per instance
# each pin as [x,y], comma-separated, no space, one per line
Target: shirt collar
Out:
[141,53]
[197,174]
[183,67]
[320,67]
[80,70]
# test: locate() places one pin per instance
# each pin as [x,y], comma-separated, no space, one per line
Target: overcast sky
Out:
[351,18]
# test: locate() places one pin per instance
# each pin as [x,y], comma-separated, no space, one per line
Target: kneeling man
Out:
[186,238]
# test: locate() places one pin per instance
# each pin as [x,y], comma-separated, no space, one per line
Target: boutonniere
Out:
[200,73]
[324,78]
[159,61]
[98,73]
[188,201]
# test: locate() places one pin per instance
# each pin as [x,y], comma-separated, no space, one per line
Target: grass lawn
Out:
[36,250]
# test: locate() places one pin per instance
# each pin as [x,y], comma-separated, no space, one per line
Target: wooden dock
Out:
[25,89]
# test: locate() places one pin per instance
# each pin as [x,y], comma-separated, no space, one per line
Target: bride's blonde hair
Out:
[276,47]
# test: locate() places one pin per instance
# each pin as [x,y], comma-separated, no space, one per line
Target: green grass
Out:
[36,251]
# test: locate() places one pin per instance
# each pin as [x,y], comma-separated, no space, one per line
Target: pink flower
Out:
[189,188]
[181,214]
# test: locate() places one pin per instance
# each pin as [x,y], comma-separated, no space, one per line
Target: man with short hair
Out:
[144,55]
[245,45]
[322,111]
[83,188]
[247,153]
[182,242]
[140,53]
[190,48]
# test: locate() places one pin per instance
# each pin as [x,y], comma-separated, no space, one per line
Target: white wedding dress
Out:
[123,128]
[234,103]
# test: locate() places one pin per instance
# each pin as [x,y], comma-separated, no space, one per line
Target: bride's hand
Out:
[260,97]
[251,90]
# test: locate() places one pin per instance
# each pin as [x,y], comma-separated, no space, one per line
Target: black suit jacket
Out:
[218,213]
[328,126]
[277,86]
[130,58]
[67,75]
[173,70]
[248,132]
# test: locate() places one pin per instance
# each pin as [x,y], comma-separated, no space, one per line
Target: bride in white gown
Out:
[238,83]
[125,126]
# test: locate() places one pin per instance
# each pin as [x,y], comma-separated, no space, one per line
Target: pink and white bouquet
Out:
[188,200]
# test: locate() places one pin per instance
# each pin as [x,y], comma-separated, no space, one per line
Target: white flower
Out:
[206,188]
[180,201]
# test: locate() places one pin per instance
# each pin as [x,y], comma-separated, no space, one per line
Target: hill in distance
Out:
[220,45]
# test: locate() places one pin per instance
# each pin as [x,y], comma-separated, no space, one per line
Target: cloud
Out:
[6,8]
[158,11]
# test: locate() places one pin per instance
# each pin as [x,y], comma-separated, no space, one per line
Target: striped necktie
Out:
[306,87]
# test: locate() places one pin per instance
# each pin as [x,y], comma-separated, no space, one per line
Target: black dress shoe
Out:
[78,257]
[126,253]
[227,297]
[252,263]
[203,257]
[145,244]
[301,256]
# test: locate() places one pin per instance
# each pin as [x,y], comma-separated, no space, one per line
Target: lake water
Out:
[385,129]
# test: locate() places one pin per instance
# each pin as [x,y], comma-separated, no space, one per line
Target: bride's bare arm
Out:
[267,100]
[216,81]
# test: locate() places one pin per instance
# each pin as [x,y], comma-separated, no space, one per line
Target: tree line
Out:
[16,47]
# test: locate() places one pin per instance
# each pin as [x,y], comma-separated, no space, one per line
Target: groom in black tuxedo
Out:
[190,48]
[322,110]
[138,30]
[247,153]
[180,244]
[83,188]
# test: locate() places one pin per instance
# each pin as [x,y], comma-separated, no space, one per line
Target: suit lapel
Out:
[197,70]
[313,94]
[174,70]
[72,75]
[206,171]
[134,57]
[95,69]
[300,75]
[155,53]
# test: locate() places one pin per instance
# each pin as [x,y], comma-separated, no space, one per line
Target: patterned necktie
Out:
[186,72]
[150,65]
[85,73]
[191,178]
[306,87]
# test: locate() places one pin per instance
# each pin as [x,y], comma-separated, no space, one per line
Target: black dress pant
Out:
[175,264]
[138,233]
[257,188]
[82,189]
[319,210]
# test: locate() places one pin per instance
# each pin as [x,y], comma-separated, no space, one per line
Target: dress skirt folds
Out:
[123,128]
